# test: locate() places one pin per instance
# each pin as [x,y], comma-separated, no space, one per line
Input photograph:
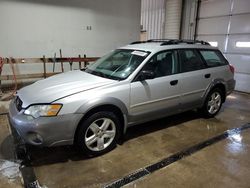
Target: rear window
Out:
[213,58]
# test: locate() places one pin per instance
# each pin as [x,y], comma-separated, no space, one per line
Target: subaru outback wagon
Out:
[93,108]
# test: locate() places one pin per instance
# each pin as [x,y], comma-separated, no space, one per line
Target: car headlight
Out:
[43,110]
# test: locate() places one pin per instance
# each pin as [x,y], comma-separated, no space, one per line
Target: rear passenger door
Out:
[195,78]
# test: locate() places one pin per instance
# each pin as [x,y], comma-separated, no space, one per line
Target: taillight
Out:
[231,68]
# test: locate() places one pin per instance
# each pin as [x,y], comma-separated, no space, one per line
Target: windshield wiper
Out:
[99,74]
[84,69]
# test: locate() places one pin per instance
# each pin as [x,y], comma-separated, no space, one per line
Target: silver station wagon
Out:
[93,108]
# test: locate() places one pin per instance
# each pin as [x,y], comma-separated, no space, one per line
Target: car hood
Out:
[59,86]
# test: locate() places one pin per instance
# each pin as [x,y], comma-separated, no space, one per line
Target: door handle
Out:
[173,82]
[207,75]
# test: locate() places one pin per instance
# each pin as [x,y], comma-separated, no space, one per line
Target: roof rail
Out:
[172,41]
[138,42]
[151,40]
[158,40]
[177,41]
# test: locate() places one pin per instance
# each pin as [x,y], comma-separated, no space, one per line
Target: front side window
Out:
[213,58]
[117,65]
[190,60]
[162,64]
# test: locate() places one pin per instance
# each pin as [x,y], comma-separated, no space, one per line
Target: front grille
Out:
[18,103]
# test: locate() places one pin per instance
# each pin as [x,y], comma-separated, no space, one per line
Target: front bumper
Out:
[44,131]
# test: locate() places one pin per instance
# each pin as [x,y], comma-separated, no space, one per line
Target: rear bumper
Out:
[44,131]
[230,86]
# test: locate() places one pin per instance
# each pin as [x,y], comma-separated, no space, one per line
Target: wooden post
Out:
[54,62]
[61,61]
[70,63]
[80,63]
[44,66]
[85,63]
[1,68]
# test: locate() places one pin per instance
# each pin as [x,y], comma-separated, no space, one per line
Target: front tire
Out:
[98,134]
[213,103]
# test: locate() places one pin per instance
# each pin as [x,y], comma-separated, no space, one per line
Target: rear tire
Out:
[99,133]
[213,103]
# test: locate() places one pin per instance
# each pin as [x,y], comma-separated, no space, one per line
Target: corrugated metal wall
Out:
[153,17]
[161,18]
[227,22]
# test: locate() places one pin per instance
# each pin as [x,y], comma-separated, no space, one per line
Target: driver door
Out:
[157,97]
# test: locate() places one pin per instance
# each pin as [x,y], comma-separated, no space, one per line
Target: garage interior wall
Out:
[32,28]
[226,22]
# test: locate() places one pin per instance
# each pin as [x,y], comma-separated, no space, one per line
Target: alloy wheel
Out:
[100,134]
[214,103]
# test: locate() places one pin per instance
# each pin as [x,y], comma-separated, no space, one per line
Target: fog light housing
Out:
[35,138]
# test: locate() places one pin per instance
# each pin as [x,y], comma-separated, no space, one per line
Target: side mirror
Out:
[146,74]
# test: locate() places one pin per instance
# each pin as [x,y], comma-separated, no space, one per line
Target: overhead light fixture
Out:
[243,44]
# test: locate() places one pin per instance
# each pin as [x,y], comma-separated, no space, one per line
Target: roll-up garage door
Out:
[226,24]
[161,18]
[153,18]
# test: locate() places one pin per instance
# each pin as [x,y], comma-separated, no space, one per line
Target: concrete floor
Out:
[9,174]
[223,164]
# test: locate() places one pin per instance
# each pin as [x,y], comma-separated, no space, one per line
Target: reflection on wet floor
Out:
[224,164]
[146,144]
[235,145]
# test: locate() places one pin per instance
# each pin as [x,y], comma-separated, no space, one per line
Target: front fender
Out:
[91,104]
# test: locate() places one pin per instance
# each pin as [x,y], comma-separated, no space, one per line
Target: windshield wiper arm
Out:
[84,69]
[99,74]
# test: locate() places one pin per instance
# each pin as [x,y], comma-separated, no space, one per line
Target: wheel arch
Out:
[109,104]
[222,87]
[216,84]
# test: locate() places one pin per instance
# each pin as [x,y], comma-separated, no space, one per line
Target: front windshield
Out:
[117,65]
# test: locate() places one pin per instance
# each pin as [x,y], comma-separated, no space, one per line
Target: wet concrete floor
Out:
[9,169]
[225,164]
[218,165]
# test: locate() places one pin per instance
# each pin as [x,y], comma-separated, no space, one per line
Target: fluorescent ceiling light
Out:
[213,43]
[243,44]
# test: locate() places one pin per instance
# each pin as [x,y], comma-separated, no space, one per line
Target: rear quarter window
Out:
[213,58]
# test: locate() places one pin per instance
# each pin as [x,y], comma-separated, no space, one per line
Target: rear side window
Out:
[190,60]
[213,58]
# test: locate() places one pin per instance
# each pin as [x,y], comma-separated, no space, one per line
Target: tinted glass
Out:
[213,58]
[117,65]
[190,60]
[163,64]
